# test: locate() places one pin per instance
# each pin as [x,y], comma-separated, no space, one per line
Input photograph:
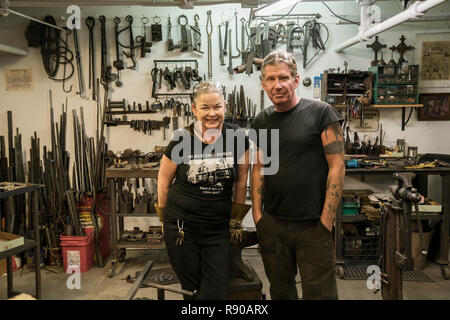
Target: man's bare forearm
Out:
[333,195]
[240,191]
[163,190]
[257,192]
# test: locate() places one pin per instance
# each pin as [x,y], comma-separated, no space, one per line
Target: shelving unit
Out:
[337,87]
[396,85]
[112,174]
[30,244]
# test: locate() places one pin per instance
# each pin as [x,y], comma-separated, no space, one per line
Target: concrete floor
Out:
[96,285]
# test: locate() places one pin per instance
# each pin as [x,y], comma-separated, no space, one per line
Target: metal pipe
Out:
[415,10]
[7,10]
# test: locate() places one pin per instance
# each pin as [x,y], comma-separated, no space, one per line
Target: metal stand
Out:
[33,244]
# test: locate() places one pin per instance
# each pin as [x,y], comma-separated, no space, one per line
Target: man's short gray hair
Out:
[207,87]
[278,57]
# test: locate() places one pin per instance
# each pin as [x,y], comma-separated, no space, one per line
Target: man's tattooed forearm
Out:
[260,189]
[335,147]
[336,128]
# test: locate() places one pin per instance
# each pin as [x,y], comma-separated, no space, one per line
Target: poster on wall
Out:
[370,123]
[436,107]
[433,54]
[435,60]
[18,79]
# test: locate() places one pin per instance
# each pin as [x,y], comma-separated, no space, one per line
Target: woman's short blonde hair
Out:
[207,87]
[277,57]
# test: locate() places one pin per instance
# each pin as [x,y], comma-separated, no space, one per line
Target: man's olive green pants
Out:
[285,245]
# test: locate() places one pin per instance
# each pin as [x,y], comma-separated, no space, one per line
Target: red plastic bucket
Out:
[77,251]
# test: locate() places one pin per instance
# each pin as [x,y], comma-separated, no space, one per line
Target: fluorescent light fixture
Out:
[269,9]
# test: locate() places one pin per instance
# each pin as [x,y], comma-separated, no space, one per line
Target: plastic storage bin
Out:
[77,251]
[350,208]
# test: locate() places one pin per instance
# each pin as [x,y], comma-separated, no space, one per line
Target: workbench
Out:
[30,244]
[112,174]
[421,184]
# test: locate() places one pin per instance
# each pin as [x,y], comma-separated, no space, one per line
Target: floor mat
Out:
[360,273]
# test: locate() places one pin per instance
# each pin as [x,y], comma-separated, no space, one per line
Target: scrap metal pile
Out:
[60,198]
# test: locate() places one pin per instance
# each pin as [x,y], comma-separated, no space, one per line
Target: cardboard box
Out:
[9,241]
[416,252]
[2,266]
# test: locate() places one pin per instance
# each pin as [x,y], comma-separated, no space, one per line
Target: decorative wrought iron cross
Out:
[402,48]
[376,46]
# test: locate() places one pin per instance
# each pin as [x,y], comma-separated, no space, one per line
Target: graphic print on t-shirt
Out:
[211,173]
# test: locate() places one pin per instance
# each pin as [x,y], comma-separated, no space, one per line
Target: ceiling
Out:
[180,3]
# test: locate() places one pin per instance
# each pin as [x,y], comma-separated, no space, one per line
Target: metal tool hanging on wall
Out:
[106,76]
[230,56]
[209,29]
[237,38]
[296,39]
[142,40]
[81,88]
[170,45]
[131,55]
[118,63]
[221,56]
[90,23]
[186,37]
[225,46]
[156,29]
[197,36]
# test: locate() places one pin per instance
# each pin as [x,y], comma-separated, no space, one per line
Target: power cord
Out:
[334,14]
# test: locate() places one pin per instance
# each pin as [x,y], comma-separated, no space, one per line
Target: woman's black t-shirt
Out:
[203,186]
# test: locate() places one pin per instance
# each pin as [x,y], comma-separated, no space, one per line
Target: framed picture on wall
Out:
[433,54]
[436,107]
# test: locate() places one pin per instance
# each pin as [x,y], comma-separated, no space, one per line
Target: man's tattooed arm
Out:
[257,189]
[333,147]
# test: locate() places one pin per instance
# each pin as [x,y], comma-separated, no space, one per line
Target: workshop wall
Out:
[31,108]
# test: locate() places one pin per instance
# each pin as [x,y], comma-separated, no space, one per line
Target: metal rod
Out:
[139,280]
[34,19]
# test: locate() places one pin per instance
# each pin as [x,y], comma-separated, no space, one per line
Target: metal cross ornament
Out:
[402,48]
[376,46]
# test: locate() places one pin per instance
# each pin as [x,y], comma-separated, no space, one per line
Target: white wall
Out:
[31,108]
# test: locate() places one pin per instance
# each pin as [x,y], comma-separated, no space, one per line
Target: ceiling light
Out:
[269,9]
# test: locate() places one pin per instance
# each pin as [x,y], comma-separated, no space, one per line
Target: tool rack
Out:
[421,183]
[117,219]
[30,244]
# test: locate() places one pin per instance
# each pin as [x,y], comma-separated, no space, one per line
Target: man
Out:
[294,209]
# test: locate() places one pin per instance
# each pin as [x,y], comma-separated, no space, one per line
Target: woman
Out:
[199,170]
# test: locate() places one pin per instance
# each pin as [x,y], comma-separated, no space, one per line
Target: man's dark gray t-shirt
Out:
[297,191]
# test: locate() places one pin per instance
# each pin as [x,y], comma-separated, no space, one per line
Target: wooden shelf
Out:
[136,215]
[374,106]
[140,245]
[132,173]
[355,218]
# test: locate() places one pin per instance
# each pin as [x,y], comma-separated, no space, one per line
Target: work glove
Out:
[160,212]
[238,212]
